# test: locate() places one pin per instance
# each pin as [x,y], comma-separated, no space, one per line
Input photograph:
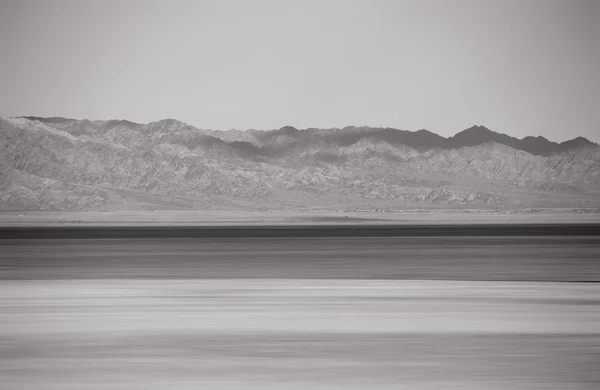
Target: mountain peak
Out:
[477,128]
[426,132]
[288,130]
[578,142]
[476,135]
[168,122]
[539,137]
[583,140]
[115,122]
[480,133]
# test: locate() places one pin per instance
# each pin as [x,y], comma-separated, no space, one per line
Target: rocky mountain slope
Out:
[67,164]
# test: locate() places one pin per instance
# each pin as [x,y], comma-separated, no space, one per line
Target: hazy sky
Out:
[519,67]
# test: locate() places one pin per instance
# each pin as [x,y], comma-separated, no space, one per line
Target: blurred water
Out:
[320,313]
[326,334]
[451,258]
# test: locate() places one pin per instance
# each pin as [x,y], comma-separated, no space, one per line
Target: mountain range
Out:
[68,164]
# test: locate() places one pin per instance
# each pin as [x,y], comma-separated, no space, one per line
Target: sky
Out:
[524,67]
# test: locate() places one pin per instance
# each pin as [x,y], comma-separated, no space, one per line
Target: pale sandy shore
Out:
[271,305]
[300,334]
[195,217]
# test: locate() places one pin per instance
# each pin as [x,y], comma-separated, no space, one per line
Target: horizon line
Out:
[299,129]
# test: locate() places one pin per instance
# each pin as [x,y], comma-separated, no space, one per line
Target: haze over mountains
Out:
[68,164]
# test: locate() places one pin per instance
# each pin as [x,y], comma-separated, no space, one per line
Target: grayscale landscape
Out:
[82,165]
[299,195]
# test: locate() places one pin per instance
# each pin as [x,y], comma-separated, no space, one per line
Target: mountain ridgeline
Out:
[67,164]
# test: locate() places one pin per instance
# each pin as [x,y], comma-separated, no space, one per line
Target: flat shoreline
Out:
[291,231]
[300,218]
